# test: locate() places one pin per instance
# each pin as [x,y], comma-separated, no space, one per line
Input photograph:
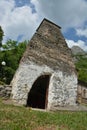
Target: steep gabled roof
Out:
[48,47]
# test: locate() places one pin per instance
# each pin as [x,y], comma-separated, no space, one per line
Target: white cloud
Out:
[81,32]
[67,13]
[17,21]
[22,21]
[79,43]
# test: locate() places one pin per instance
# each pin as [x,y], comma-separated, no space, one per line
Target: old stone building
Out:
[82,92]
[46,76]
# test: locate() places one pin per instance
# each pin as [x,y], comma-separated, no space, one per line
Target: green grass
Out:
[22,118]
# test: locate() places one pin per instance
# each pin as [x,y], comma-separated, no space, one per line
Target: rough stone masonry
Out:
[47,55]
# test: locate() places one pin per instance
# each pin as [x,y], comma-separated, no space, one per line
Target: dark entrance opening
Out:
[38,95]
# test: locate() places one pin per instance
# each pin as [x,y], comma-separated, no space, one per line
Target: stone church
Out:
[46,77]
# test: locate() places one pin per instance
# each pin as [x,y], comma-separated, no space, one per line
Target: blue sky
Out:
[20,18]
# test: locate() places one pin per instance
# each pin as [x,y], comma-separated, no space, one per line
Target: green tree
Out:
[1,36]
[11,54]
[81,66]
[10,44]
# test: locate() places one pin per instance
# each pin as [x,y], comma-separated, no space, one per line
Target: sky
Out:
[19,19]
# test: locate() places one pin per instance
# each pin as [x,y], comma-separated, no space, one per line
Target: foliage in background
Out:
[1,36]
[81,66]
[11,54]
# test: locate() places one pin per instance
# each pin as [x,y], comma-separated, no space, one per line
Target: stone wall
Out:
[82,93]
[62,87]
[49,49]
[47,53]
[5,91]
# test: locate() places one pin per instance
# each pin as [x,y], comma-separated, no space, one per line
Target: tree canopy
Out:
[1,36]
[81,66]
[11,55]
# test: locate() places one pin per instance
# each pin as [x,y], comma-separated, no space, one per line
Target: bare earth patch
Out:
[79,107]
[46,128]
[63,127]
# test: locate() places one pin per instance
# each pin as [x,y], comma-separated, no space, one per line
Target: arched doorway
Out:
[38,95]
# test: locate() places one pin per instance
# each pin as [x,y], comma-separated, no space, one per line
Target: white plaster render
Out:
[24,78]
[62,88]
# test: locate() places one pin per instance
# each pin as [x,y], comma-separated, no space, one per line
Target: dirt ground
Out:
[79,107]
